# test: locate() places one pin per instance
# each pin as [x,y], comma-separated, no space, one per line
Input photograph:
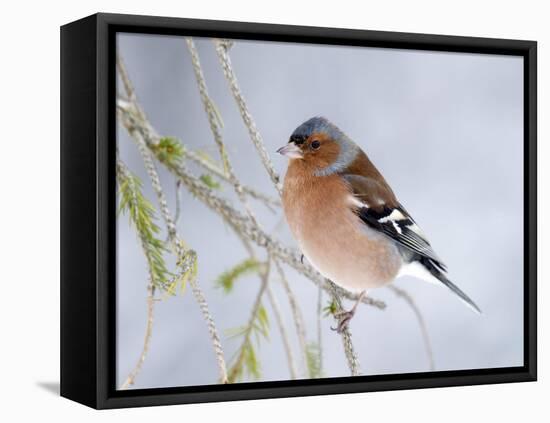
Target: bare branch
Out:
[184,257]
[284,334]
[146,341]
[209,106]
[421,322]
[351,356]
[296,314]
[223,55]
[123,175]
[319,327]
[236,369]
[214,122]
[212,168]
[216,343]
[128,86]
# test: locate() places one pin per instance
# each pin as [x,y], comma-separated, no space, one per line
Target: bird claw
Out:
[344,318]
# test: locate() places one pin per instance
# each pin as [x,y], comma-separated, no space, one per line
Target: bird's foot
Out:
[345,316]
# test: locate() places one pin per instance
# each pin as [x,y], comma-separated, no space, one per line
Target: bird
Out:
[347,220]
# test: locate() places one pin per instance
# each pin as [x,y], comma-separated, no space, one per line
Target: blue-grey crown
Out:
[348,149]
[318,124]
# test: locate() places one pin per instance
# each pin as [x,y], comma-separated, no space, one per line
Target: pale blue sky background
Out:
[446,129]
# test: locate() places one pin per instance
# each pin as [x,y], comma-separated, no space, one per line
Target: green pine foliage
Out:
[246,363]
[209,181]
[330,309]
[142,216]
[313,356]
[179,281]
[169,150]
[227,279]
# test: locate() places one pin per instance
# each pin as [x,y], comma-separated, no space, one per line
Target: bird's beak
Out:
[291,150]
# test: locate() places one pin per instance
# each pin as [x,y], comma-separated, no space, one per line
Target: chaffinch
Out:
[346,218]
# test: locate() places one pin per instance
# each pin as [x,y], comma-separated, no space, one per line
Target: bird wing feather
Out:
[380,210]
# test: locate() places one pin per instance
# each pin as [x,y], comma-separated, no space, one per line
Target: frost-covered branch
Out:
[255,136]
[351,355]
[215,124]
[284,333]
[296,314]
[319,327]
[141,214]
[257,323]
[186,259]
[218,172]
[146,340]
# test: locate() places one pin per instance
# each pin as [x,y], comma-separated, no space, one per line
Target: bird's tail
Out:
[440,276]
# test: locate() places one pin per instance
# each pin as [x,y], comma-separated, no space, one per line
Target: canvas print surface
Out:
[298,211]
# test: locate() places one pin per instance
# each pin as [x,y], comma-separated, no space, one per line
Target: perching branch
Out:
[215,124]
[351,356]
[223,55]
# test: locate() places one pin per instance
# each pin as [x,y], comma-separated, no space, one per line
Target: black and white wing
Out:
[397,224]
[377,207]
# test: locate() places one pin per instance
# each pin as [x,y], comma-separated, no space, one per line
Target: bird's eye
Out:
[315,144]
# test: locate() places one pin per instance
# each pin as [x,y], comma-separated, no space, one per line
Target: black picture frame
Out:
[88,210]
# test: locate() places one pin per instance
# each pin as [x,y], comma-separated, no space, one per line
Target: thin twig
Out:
[319,327]
[178,202]
[274,306]
[296,314]
[214,169]
[182,255]
[239,362]
[214,123]
[284,334]
[209,107]
[215,127]
[123,174]
[255,136]
[421,322]
[146,341]
[223,55]
[216,343]
[351,356]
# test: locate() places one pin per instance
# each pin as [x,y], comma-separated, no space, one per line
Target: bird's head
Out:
[320,145]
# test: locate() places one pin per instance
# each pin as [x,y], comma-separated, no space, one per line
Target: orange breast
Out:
[332,237]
